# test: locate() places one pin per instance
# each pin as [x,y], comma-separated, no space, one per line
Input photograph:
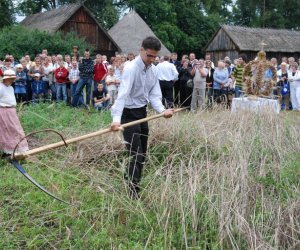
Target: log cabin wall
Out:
[222,45]
[85,26]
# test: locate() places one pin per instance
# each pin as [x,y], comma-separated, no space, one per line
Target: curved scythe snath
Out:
[20,156]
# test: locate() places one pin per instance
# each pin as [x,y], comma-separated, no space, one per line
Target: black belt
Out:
[6,107]
[136,108]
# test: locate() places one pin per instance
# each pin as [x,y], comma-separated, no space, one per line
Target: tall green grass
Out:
[212,180]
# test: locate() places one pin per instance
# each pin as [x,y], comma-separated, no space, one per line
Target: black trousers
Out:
[217,93]
[177,93]
[185,94]
[167,93]
[137,138]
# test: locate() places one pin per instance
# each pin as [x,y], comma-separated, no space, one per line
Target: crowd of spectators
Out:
[64,78]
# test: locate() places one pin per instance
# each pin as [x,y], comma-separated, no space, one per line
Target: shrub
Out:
[18,40]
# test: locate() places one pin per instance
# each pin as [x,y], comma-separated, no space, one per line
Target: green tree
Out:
[291,14]
[105,12]
[181,25]
[7,16]
[29,7]
[279,14]
[267,13]
[244,12]
[218,9]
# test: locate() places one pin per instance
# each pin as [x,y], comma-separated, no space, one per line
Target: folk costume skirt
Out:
[11,131]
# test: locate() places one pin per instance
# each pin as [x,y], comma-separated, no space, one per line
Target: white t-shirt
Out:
[47,71]
[108,79]
[7,96]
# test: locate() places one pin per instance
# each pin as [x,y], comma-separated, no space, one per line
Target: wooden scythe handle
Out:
[24,155]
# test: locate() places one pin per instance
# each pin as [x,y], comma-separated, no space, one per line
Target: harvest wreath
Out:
[259,76]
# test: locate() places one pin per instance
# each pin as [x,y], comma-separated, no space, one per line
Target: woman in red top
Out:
[61,75]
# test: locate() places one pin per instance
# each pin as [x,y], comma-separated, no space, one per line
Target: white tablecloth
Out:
[257,105]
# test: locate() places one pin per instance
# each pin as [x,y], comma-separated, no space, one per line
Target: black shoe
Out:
[133,191]
[4,155]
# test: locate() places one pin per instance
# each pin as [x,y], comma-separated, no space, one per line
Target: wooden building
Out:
[78,19]
[234,40]
[129,33]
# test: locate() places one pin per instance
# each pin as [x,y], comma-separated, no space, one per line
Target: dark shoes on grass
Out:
[133,191]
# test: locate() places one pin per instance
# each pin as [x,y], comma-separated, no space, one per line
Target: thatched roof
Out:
[51,20]
[277,40]
[129,33]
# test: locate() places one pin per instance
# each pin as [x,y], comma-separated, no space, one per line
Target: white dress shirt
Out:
[139,86]
[167,71]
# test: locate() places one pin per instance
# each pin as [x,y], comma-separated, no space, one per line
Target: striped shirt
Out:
[238,74]
[86,68]
[74,74]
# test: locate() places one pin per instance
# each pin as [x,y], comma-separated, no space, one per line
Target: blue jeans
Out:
[36,98]
[84,81]
[100,106]
[73,91]
[61,92]
[53,91]
[238,92]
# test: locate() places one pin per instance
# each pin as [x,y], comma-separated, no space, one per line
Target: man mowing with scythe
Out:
[139,86]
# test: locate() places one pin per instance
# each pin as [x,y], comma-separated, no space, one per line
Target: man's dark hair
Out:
[243,56]
[151,42]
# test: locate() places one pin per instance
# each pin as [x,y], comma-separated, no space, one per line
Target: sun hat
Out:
[19,66]
[37,75]
[9,74]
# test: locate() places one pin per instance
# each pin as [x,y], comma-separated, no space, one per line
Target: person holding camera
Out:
[198,96]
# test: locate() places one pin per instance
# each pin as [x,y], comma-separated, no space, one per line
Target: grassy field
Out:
[211,181]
